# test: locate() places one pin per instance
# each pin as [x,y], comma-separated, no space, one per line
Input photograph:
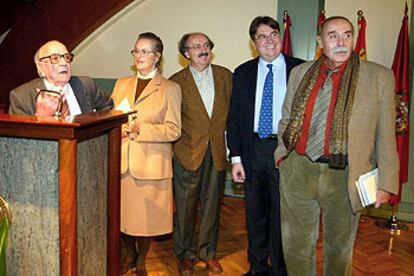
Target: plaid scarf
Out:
[338,139]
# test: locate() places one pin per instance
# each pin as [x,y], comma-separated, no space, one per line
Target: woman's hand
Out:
[134,126]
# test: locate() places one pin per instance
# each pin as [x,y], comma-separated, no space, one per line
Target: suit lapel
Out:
[251,83]
[39,84]
[152,86]
[219,97]
[289,66]
[131,86]
[361,87]
[79,92]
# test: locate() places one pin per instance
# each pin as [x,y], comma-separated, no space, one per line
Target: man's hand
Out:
[46,104]
[237,172]
[279,162]
[382,197]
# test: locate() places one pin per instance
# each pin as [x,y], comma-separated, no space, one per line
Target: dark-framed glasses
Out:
[198,47]
[55,58]
[142,52]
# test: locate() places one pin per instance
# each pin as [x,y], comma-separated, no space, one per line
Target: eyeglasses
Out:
[142,52]
[198,47]
[55,58]
[263,37]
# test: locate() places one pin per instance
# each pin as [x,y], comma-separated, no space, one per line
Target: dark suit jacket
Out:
[198,130]
[241,115]
[88,95]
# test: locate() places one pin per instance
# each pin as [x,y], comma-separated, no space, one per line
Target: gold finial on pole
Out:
[406,9]
[360,14]
[285,14]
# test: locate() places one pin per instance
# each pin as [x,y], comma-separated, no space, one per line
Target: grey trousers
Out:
[204,185]
[307,189]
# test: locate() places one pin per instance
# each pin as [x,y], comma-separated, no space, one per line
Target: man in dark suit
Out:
[80,94]
[200,153]
[259,87]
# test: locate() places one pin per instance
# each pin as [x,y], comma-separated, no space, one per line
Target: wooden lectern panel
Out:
[69,132]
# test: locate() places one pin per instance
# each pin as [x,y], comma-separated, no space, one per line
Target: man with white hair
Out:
[53,62]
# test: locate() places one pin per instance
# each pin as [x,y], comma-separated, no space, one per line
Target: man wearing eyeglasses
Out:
[259,87]
[79,94]
[200,153]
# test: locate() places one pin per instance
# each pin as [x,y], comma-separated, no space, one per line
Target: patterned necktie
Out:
[316,139]
[64,108]
[265,127]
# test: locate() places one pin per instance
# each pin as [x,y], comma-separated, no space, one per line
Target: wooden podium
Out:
[61,177]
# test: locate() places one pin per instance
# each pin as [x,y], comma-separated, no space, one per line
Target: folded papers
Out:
[367,187]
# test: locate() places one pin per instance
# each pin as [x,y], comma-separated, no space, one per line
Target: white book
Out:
[367,187]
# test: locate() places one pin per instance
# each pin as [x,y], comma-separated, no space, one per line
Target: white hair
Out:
[37,62]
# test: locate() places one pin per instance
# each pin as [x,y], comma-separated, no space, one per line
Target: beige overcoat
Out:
[149,155]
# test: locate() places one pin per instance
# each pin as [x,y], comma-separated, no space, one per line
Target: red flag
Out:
[361,45]
[321,18]
[400,67]
[286,45]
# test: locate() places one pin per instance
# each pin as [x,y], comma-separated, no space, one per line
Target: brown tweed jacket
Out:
[371,129]
[198,130]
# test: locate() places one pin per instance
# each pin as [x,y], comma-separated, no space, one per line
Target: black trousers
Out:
[263,212]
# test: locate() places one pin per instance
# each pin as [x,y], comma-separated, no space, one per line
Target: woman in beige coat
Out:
[146,184]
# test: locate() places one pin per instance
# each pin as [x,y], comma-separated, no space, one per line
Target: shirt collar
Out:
[200,73]
[149,76]
[339,70]
[51,86]
[276,62]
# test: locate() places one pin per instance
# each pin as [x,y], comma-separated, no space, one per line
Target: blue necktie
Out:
[266,109]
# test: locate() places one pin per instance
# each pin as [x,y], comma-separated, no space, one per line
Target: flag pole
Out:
[321,18]
[393,224]
[406,9]
[400,68]
[286,42]
[361,45]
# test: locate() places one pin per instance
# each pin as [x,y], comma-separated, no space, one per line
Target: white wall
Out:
[383,18]
[106,52]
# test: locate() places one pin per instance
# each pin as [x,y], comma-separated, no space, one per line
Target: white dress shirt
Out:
[279,89]
[70,96]
[279,92]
